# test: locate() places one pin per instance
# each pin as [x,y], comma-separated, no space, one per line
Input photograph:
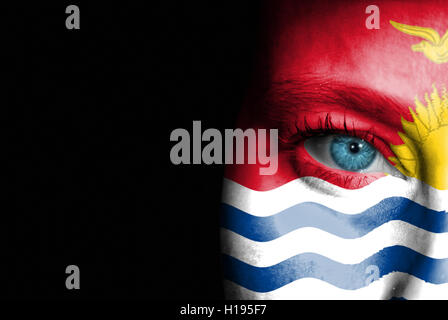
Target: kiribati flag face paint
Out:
[358,206]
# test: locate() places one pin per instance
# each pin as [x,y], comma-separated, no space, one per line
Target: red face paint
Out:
[325,71]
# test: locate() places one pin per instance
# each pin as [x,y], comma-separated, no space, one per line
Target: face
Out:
[357,207]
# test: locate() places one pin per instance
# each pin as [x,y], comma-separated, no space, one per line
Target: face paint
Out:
[329,223]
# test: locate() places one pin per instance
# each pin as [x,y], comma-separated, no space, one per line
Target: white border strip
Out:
[396,284]
[347,251]
[310,189]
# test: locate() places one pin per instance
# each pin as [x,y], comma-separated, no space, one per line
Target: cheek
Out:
[248,175]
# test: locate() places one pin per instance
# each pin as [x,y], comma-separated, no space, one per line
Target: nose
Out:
[426,165]
[425,272]
[424,152]
[435,157]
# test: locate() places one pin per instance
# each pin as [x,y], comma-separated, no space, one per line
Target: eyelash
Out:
[325,126]
[294,145]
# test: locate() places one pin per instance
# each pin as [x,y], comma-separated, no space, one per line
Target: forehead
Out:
[331,40]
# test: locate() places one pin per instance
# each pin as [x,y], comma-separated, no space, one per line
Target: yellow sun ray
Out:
[424,152]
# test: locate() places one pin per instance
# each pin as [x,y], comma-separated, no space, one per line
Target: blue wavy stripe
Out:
[309,214]
[344,276]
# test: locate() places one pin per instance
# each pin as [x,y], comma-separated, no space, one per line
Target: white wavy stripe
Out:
[396,284]
[310,189]
[347,251]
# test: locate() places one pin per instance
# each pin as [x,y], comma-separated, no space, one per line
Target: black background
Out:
[87,124]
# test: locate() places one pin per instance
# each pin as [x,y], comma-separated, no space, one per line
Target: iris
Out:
[352,153]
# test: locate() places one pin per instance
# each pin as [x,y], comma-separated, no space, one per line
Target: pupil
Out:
[354,147]
[352,154]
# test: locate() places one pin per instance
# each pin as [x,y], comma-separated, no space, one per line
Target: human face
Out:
[357,208]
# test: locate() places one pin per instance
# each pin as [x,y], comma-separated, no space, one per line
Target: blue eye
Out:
[348,153]
[352,154]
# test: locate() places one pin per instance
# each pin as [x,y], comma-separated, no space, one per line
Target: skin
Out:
[378,59]
[327,41]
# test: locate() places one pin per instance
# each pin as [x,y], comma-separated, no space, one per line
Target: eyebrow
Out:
[295,96]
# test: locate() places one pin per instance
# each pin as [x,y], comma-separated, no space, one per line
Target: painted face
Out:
[357,207]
